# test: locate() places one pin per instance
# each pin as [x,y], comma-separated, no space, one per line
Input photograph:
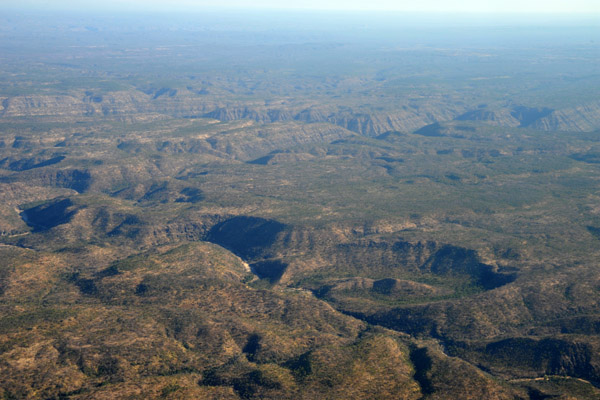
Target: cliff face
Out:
[368,124]
[257,114]
[583,118]
[404,120]
[116,104]
[183,103]
[256,141]
[124,104]
[29,106]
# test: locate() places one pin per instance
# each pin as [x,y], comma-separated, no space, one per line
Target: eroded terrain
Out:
[324,218]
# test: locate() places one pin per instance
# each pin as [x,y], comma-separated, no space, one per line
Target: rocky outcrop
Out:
[404,119]
[257,114]
[585,118]
[113,104]
[532,357]
[257,141]
[69,178]
[184,103]
[393,288]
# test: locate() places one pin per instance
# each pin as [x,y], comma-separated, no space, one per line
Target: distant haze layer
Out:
[461,6]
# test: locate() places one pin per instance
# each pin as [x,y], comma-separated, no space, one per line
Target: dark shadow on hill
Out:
[190,195]
[74,179]
[422,363]
[423,306]
[272,270]
[589,157]
[390,135]
[248,382]
[29,163]
[247,237]
[547,356]
[48,215]
[527,115]
[415,320]
[262,160]
[422,258]
[453,260]
[433,130]
[252,347]
[477,115]
[164,192]
[78,180]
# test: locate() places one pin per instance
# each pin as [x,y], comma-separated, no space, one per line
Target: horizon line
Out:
[194,10]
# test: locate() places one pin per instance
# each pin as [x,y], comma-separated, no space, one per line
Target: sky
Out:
[444,6]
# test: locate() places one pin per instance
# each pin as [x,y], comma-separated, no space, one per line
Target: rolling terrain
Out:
[191,209]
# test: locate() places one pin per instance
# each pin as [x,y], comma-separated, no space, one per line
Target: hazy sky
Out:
[504,6]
